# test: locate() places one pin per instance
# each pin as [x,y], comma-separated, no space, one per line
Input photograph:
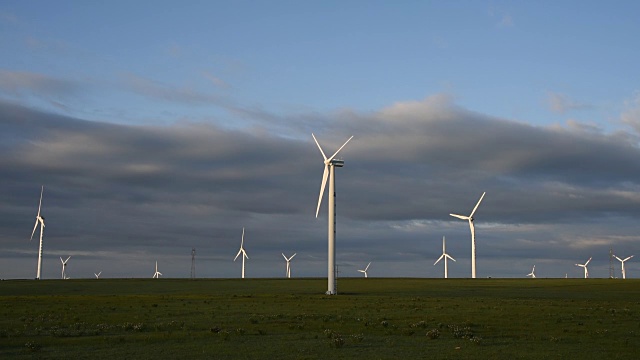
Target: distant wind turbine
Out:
[586,272]
[241,251]
[473,235]
[533,272]
[98,274]
[288,272]
[444,256]
[365,270]
[157,274]
[624,276]
[329,171]
[64,266]
[39,220]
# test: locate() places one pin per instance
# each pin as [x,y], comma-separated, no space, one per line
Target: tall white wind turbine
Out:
[586,272]
[241,251]
[64,266]
[157,274]
[365,270]
[288,272]
[533,272]
[97,275]
[624,276]
[444,256]
[473,235]
[329,171]
[39,220]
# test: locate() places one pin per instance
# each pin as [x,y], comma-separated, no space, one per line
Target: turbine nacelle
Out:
[327,162]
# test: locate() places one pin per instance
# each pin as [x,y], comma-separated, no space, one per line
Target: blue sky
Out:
[529,101]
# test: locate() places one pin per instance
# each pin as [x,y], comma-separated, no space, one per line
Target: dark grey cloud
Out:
[118,197]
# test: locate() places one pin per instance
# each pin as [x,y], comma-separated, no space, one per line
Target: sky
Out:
[157,127]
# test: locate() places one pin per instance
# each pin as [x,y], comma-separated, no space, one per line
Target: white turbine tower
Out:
[533,272]
[39,220]
[97,275]
[365,270]
[288,272]
[241,251]
[329,171]
[624,276]
[473,235]
[444,256]
[157,274]
[64,266]
[586,272]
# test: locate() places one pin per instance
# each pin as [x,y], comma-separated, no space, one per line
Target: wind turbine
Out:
[532,273]
[622,261]
[64,265]
[586,272]
[98,274]
[365,270]
[473,235]
[329,171]
[241,251]
[157,274]
[39,220]
[444,256]
[288,273]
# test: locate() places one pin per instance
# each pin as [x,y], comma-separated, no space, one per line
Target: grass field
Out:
[292,319]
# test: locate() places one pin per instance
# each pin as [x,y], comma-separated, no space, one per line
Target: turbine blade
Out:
[34,229]
[447,255]
[473,230]
[285,257]
[629,257]
[40,204]
[362,271]
[615,256]
[367,268]
[440,258]
[336,153]
[293,256]
[242,241]
[239,252]
[478,204]
[317,143]
[322,186]
[585,264]
[460,216]
[244,253]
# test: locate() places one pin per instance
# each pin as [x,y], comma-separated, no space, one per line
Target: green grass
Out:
[292,319]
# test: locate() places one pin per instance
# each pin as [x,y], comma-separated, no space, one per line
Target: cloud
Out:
[631,114]
[216,81]
[20,83]
[158,191]
[560,103]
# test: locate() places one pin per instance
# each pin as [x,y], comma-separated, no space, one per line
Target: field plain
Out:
[374,318]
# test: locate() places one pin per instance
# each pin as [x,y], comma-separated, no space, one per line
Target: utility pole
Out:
[193,263]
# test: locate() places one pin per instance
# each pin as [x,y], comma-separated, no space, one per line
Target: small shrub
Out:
[433,334]
[33,347]
[337,341]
